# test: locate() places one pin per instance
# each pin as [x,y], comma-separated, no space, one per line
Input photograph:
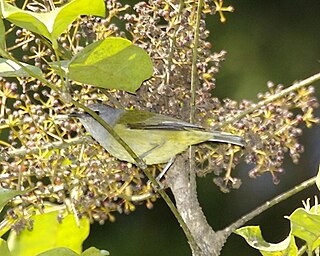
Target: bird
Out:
[155,138]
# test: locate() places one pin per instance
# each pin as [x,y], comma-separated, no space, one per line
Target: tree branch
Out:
[244,219]
[189,208]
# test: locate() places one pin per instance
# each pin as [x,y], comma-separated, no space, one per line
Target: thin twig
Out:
[174,210]
[53,145]
[194,82]
[194,70]
[284,92]
[173,41]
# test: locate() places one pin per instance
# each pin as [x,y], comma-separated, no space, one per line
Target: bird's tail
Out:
[227,138]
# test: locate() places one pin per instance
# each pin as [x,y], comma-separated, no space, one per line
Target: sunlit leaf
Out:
[113,63]
[9,68]
[48,234]
[254,238]
[305,225]
[51,24]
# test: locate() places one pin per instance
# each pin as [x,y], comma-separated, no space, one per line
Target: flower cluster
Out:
[271,131]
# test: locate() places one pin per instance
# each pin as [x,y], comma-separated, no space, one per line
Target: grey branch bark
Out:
[185,194]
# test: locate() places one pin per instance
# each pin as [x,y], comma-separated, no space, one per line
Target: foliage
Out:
[52,227]
[304,225]
[63,63]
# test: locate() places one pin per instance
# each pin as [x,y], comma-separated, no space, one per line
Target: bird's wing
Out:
[149,121]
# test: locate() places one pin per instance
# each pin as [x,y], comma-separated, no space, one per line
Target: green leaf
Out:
[2,35]
[51,24]
[318,179]
[305,225]
[7,194]
[113,63]
[9,68]
[25,19]
[62,251]
[4,250]
[95,252]
[48,234]
[253,236]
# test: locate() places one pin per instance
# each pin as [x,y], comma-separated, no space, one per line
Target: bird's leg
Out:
[165,169]
[163,172]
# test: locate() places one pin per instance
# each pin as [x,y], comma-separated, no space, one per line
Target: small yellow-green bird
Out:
[153,137]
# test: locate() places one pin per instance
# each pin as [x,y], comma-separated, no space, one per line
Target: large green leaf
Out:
[9,68]
[48,234]
[51,24]
[253,236]
[113,63]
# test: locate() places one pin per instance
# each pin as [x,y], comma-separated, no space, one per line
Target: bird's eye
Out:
[97,112]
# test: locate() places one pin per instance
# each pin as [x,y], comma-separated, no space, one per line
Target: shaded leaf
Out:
[113,63]
[9,68]
[254,238]
[48,234]
[52,24]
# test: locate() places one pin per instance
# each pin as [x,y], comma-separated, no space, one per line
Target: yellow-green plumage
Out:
[153,137]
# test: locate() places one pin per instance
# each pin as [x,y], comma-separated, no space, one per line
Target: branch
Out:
[244,219]
[190,210]
[53,145]
[194,69]
[284,92]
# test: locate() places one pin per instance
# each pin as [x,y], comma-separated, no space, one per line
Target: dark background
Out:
[271,40]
